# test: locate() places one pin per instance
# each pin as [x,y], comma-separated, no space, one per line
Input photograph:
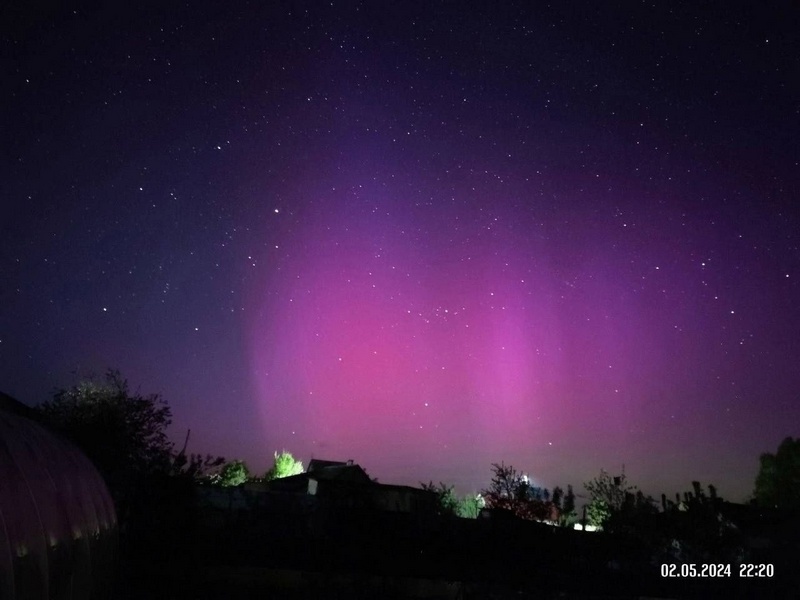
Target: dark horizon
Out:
[424,237]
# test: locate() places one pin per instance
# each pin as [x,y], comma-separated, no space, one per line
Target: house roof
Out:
[323,470]
[343,473]
[332,470]
[317,464]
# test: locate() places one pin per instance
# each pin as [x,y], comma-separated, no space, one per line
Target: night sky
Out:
[424,236]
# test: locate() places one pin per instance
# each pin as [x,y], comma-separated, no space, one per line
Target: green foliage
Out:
[447,502]
[598,513]
[778,480]
[285,465]
[611,496]
[469,507]
[611,490]
[233,473]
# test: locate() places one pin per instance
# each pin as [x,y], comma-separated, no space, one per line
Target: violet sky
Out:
[427,237]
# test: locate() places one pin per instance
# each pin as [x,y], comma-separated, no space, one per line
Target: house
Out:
[346,485]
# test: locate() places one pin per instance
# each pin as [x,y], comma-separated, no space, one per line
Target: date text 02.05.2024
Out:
[704,570]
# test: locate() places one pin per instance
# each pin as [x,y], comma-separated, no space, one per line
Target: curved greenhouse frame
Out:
[58,527]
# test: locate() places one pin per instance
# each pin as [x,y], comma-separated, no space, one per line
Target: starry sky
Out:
[426,236]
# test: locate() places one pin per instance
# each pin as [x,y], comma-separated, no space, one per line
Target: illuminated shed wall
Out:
[58,529]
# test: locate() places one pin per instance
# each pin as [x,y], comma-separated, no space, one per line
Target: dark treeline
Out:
[513,536]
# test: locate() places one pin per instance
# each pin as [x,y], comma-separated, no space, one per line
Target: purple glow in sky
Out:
[421,237]
[438,337]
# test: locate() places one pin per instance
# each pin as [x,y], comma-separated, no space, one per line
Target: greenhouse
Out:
[58,529]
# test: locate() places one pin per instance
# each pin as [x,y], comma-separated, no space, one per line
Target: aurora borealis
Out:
[428,237]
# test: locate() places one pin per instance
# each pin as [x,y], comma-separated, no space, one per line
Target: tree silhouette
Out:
[615,504]
[778,480]
[567,510]
[506,482]
[607,495]
[512,491]
[124,434]
[447,502]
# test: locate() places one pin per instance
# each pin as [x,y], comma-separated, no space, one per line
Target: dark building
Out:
[345,485]
[58,527]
